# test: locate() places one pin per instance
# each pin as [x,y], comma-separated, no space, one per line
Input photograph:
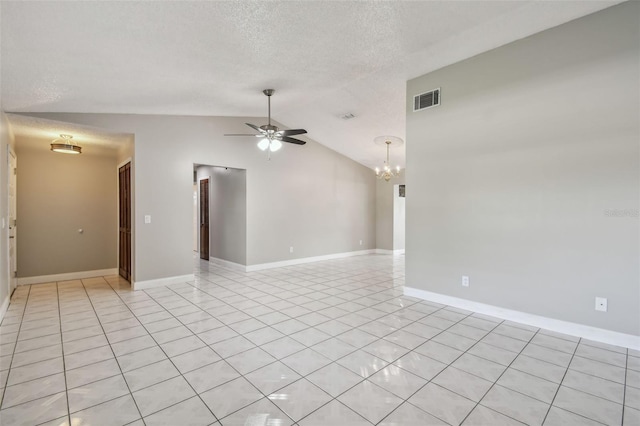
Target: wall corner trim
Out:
[159,282]
[66,276]
[228,264]
[565,327]
[4,307]
[262,266]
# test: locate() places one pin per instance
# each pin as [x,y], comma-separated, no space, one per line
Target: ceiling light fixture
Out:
[387,172]
[272,145]
[65,146]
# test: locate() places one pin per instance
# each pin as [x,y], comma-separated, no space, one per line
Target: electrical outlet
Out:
[291,249]
[360,242]
[601,304]
[147,218]
[465,281]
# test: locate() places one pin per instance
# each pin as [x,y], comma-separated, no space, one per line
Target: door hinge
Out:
[15,170]
[15,274]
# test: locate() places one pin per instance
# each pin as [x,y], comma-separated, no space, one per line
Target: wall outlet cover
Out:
[601,304]
[465,281]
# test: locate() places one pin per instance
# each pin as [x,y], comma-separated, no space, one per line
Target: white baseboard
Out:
[227,264]
[299,261]
[67,276]
[565,327]
[383,251]
[393,252]
[142,285]
[4,307]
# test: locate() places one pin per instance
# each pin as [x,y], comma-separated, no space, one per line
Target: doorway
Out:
[204,219]
[13,230]
[124,210]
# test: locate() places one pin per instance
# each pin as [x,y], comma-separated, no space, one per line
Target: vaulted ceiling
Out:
[325,59]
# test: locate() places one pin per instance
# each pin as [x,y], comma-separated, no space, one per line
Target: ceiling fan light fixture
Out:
[275,145]
[64,145]
[272,136]
[263,144]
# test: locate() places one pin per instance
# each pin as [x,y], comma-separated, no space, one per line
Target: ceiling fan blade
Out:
[291,140]
[292,132]
[256,128]
[243,134]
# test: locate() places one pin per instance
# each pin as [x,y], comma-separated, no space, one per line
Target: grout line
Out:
[624,389]
[13,353]
[560,385]
[64,366]
[114,355]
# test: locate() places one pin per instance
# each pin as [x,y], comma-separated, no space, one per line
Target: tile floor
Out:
[327,343]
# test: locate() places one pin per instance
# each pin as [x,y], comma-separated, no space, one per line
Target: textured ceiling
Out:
[39,133]
[323,58]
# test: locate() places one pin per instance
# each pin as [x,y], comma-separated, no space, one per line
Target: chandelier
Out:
[387,172]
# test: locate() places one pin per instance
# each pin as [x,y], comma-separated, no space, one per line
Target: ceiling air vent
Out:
[426,100]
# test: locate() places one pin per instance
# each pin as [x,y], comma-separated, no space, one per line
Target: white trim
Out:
[124,163]
[159,282]
[227,264]
[4,307]
[261,266]
[565,327]
[397,252]
[66,277]
[383,251]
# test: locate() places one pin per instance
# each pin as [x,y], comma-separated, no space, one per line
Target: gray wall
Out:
[513,178]
[308,197]
[385,213]
[6,139]
[57,195]
[227,212]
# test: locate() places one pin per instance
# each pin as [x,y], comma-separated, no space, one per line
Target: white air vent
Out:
[426,100]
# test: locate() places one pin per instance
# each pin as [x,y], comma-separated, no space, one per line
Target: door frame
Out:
[208,178]
[12,281]
[132,216]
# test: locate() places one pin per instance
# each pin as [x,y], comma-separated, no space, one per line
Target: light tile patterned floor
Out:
[326,343]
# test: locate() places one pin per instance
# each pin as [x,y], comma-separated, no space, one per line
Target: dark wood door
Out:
[124,236]
[204,219]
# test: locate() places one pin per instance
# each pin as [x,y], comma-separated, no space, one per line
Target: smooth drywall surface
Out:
[526,177]
[59,195]
[307,197]
[6,140]
[399,219]
[227,212]
[385,212]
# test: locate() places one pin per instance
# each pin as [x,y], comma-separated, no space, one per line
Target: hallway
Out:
[325,343]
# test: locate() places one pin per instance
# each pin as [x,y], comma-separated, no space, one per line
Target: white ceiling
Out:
[323,58]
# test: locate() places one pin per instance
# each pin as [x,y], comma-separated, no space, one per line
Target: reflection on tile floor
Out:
[326,343]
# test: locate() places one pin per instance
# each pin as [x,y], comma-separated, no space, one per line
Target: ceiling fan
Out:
[272,137]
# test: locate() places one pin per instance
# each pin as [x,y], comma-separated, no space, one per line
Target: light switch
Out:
[147,218]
